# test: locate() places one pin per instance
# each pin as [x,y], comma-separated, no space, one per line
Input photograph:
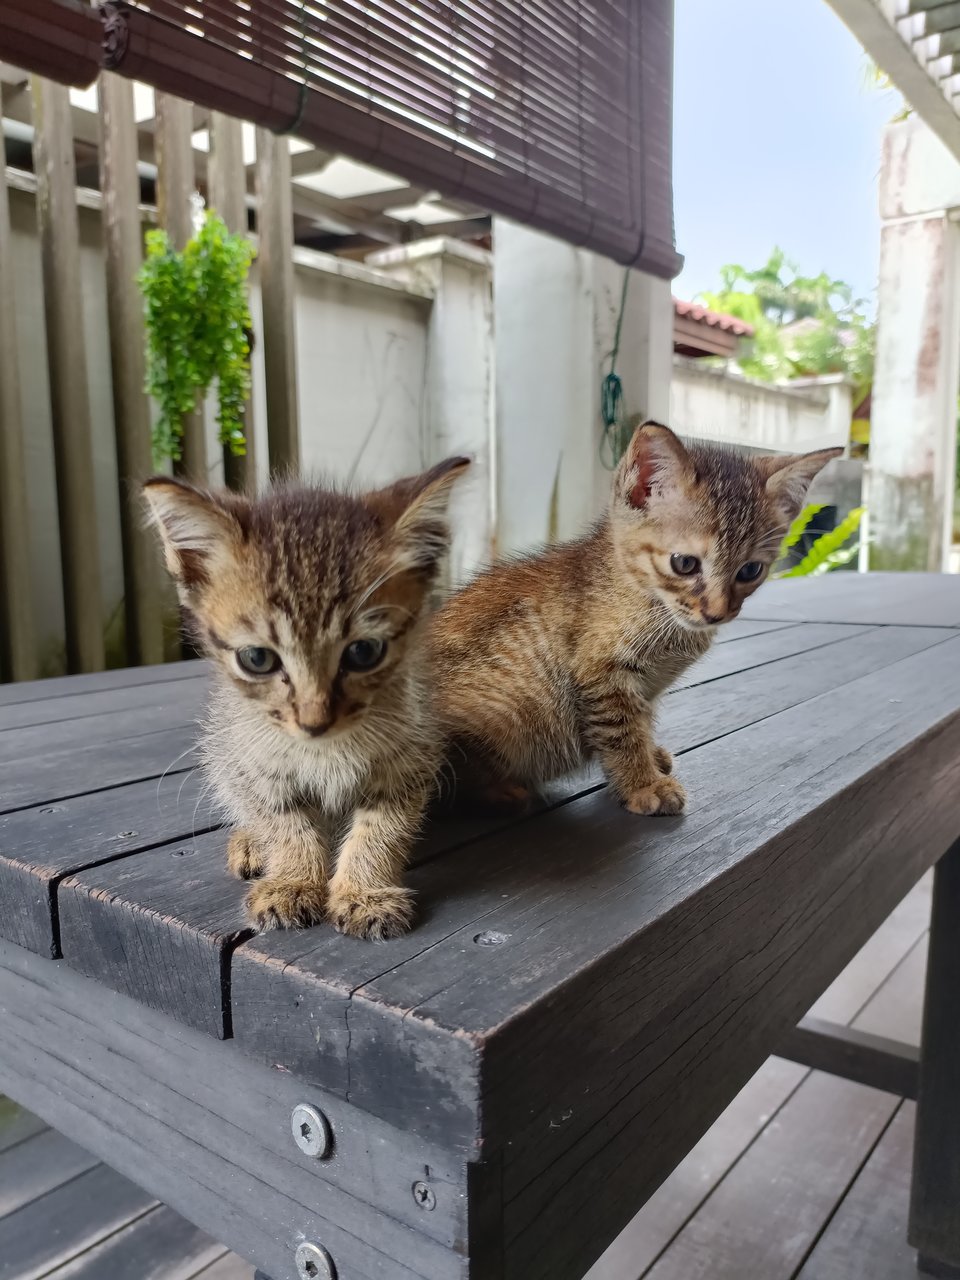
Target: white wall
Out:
[710,403]
[556,309]
[361,364]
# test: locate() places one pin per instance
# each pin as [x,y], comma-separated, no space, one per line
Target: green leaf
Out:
[825,547]
[799,527]
[837,558]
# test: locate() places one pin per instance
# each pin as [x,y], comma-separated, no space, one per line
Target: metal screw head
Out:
[311,1132]
[314,1263]
[424,1195]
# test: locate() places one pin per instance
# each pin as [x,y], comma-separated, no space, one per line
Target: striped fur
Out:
[324,771]
[547,662]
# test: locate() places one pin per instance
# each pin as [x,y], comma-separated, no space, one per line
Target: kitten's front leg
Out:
[293,892]
[618,725]
[366,899]
[245,857]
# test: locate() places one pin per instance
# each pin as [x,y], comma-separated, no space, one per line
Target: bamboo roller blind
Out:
[59,39]
[554,112]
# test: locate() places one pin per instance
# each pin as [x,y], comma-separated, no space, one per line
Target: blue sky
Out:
[776,141]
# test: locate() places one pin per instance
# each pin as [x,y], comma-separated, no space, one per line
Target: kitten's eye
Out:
[364,655]
[750,571]
[684,565]
[258,662]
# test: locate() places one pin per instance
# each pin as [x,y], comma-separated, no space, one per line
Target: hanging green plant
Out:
[197,322]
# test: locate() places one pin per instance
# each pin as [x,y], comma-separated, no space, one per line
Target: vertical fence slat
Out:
[227,195]
[69,393]
[275,228]
[123,242]
[175,187]
[18,657]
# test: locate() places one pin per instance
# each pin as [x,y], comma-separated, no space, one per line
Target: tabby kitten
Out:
[548,661]
[320,734]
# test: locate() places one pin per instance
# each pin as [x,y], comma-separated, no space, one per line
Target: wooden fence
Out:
[181,171]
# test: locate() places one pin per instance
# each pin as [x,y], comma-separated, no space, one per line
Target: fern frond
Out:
[825,547]
[798,528]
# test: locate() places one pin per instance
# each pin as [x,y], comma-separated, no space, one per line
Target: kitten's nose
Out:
[713,618]
[316,730]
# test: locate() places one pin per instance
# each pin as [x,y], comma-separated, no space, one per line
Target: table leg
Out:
[935,1195]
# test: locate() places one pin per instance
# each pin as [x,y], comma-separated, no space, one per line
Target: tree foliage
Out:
[804,326]
[198,324]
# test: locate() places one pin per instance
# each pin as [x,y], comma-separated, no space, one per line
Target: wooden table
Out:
[499,1091]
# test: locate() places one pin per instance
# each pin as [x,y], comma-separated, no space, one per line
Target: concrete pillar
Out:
[555,315]
[913,433]
[459,382]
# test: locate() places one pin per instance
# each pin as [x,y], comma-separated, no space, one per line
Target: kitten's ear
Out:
[195,530]
[789,478]
[417,507]
[656,459]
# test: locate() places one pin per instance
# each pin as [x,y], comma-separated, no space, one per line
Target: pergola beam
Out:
[873,22]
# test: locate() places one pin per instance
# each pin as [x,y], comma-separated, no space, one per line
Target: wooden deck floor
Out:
[804,1176]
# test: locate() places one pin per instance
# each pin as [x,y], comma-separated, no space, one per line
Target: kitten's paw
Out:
[375,914]
[507,797]
[244,858]
[663,759]
[287,904]
[666,795]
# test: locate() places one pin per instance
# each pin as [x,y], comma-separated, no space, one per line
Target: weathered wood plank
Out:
[769,1210]
[39,847]
[115,926]
[161,1245]
[725,660]
[16,1125]
[107,702]
[677,1016]
[229,1267]
[69,394]
[36,1167]
[18,651]
[58,775]
[509,888]
[741,628]
[866,1239]
[694,1179]
[123,245]
[895,1009]
[935,1191]
[862,1056]
[228,197]
[121,678]
[275,231]
[180,709]
[49,1232]
[702,713]
[176,184]
[208,1132]
[922,599]
[844,999]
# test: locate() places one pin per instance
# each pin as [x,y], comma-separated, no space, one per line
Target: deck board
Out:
[639,971]
[868,1223]
[768,1212]
[866,1239]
